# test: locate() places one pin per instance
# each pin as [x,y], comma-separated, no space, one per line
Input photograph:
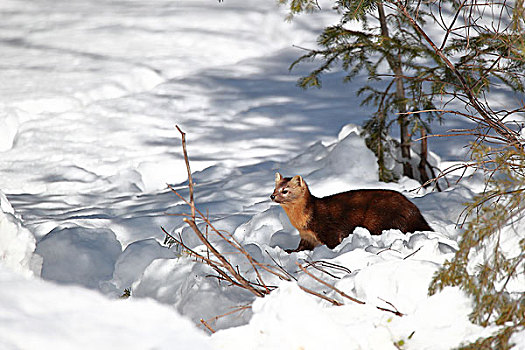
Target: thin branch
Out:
[207,325]
[395,311]
[335,289]
[326,264]
[190,179]
[319,295]
[215,318]
[413,253]
[449,29]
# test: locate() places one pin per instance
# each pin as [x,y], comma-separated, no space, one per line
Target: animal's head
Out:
[288,189]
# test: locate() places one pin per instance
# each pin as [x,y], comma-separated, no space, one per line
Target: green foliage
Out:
[299,6]
[500,208]
[126,294]
[377,140]
[500,341]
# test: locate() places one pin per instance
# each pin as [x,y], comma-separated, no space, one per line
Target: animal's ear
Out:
[278,178]
[297,180]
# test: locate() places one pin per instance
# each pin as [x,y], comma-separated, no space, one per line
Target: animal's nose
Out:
[272,197]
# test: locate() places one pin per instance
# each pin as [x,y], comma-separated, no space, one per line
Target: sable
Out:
[330,219]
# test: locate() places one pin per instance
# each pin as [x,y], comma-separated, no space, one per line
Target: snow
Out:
[90,92]
[79,255]
[40,314]
[17,243]
[312,325]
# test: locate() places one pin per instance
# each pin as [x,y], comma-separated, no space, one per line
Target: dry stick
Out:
[329,265]
[413,253]
[239,278]
[340,292]
[387,249]
[267,268]
[233,242]
[270,288]
[207,326]
[190,179]
[244,282]
[235,310]
[335,289]
[207,218]
[326,264]
[319,295]
[320,269]
[252,261]
[288,276]
[213,264]
[395,311]
[215,318]
[236,245]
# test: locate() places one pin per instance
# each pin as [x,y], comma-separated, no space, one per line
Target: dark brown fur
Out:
[329,219]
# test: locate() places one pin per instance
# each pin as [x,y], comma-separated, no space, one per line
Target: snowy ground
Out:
[90,93]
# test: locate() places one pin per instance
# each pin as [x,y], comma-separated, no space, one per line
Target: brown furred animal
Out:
[329,219]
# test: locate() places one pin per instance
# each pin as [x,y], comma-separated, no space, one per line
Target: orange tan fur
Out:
[330,219]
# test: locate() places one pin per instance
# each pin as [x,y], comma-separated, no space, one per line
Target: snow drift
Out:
[17,243]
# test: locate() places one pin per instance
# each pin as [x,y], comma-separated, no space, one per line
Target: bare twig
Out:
[414,252]
[288,276]
[216,318]
[343,294]
[207,326]
[190,179]
[338,291]
[238,277]
[229,273]
[319,295]
[321,265]
[387,249]
[395,311]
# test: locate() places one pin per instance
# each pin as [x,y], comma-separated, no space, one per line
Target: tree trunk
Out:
[424,157]
[395,65]
[424,164]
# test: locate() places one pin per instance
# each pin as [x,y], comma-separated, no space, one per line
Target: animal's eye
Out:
[285,191]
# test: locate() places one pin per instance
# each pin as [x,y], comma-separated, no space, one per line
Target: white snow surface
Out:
[90,93]
[37,314]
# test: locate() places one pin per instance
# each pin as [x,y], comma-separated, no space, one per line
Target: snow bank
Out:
[134,260]
[187,286]
[79,255]
[342,165]
[8,128]
[42,315]
[17,243]
[290,319]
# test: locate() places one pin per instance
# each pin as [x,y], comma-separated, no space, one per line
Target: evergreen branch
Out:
[495,124]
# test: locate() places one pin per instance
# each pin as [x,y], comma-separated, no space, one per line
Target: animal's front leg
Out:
[303,245]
